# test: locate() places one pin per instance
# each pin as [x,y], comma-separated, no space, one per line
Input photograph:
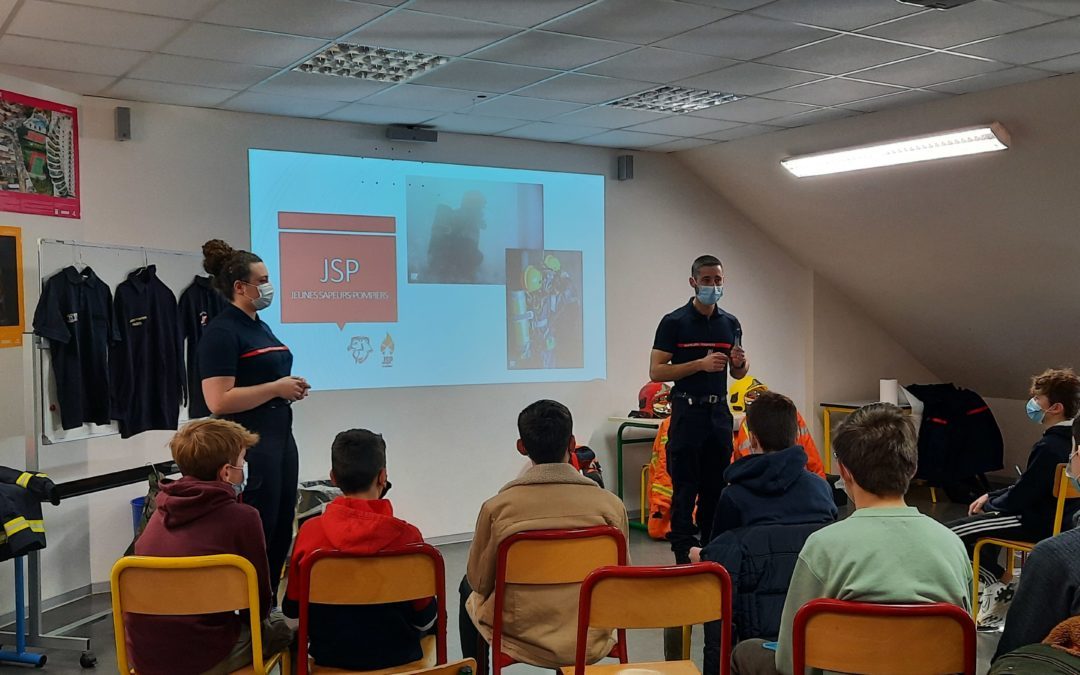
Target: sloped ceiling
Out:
[972,264]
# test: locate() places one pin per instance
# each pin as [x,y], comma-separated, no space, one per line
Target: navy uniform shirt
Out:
[235,345]
[146,363]
[687,335]
[200,303]
[75,314]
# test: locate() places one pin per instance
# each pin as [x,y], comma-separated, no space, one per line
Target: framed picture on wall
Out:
[39,156]
[11,287]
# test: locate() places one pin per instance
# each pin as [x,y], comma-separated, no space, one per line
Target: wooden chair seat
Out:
[654,668]
[427,661]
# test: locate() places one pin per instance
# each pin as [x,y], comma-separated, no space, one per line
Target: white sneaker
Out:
[994,603]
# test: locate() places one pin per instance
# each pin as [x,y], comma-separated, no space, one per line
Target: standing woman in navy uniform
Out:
[247,377]
[695,346]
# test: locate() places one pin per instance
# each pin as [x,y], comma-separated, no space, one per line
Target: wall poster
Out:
[39,156]
[11,287]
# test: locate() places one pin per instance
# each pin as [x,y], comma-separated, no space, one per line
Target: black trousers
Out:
[698,451]
[273,467]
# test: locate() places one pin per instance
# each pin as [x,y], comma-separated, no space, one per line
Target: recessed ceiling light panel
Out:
[370,63]
[674,100]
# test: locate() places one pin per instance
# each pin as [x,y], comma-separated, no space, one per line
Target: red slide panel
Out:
[292,220]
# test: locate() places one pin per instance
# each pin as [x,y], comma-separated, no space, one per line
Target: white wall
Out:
[183,179]
[1019,432]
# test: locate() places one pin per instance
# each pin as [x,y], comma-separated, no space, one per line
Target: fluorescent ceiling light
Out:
[370,63]
[969,141]
[674,100]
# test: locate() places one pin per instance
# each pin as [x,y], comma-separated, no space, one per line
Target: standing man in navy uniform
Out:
[696,346]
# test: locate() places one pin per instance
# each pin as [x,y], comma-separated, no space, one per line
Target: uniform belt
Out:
[698,399]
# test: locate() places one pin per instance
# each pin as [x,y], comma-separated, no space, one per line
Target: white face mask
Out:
[239,487]
[266,295]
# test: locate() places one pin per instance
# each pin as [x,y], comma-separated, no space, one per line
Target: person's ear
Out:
[755,444]
[333,481]
[223,473]
[844,473]
[521,448]
[1056,409]
[381,480]
[571,447]
[693,282]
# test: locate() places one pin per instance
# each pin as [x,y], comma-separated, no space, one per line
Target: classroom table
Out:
[620,442]
[844,408]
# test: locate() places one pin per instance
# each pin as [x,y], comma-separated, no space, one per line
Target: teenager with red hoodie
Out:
[359,637]
[201,514]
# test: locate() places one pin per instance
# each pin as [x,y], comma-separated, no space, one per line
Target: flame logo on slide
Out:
[387,349]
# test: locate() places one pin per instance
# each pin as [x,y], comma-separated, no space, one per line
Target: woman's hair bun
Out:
[216,254]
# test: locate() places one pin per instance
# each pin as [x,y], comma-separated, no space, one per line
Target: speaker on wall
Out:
[123,123]
[625,167]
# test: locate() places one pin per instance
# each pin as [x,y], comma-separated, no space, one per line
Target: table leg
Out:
[826,422]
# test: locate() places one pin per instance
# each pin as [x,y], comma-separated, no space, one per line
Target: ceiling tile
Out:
[430,33]
[651,64]
[314,18]
[898,100]
[473,124]
[188,9]
[226,43]
[744,37]
[80,83]
[201,72]
[812,117]
[523,14]
[556,133]
[289,106]
[747,79]
[379,114]
[1066,64]
[315,85]
[831,92]
[88,25]
[926,70]
[681,144]
[739,5]
[585,88]
[609,117]
[1056,7]
[639,22]
[66,56]
[551,50]
[1035,44]
[684,125]
[525,108]
[842,14]
[425,98]
[959,25]
[483,76]
[626,139]
[752,110]
[842,54]
[993,80]
[742,131]
[170,94]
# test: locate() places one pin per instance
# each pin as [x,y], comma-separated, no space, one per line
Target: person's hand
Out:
[978,505]
[291,388]
[714,362]
[695,554]
[307,387]
[738,357]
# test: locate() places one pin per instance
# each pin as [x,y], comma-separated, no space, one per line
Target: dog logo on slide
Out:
[360,348]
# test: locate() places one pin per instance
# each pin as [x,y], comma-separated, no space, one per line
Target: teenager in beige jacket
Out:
[539,622]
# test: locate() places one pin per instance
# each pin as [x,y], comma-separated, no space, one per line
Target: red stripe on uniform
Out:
[976,411]
[938,420]
[264,350]
[712,345]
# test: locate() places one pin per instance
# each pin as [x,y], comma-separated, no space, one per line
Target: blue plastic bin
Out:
[137,505]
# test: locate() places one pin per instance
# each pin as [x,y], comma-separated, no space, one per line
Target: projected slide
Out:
[398,274]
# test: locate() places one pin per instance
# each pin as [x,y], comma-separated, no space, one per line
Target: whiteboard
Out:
[112,264]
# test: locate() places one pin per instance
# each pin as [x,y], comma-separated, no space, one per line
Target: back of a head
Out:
[876,443]
[227,265]
[356,458]
[545,428]
[200,448]
[774,420]
[1059,385]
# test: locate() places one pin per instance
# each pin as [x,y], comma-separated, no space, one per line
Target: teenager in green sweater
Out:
[885,552]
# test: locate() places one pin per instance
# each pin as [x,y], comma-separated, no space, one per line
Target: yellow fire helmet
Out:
[744,391]
[552,263]
[532,278]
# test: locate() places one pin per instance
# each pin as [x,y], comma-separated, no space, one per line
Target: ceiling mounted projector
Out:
[935,4]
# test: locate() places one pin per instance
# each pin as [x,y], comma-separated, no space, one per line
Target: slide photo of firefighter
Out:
[543,309]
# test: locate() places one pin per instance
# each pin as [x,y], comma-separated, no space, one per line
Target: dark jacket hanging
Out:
[199,303]
[958,437]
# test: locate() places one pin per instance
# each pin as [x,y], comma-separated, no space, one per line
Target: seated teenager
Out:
[201,514]
[1049,588]
[539,623]
[743,394]
[1024,510]
[361,521]
[770,507]
[885,552]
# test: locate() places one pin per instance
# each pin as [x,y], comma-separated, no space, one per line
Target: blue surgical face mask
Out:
[710,295]
[239,487]
[1034,411]
[266,296]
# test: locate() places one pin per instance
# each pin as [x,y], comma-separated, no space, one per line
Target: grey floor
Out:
[643,645]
